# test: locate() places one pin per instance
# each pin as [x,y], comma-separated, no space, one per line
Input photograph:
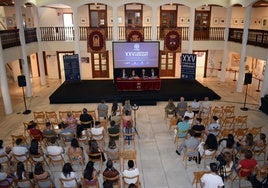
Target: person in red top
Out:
[34,132]
[247,163]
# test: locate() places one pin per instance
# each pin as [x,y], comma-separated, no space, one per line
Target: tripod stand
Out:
[244,108]
[24,100]
[135,108]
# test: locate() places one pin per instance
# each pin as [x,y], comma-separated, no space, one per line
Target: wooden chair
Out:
[228,122]
[188,154]
[102,112]
[104,124]
[24,183]
[33,159]
[6,161]
[138,184]
[45,183]
[85,185]
[68,181]
[77,114]
[129,140]
[240,133]
[55,159]
[197,177]
[209,157]
[228,111]
[67,137]
[114,179]
[52,117]
[21,158]
[241,121]
[6,184]
[15,137]
[258,151]
[217,111]
[93,114]
[96,158]
[173,122]
[40,120]
[115,157]
[255,131]
[26,130]
[100,138]
[63,115]
[128,155]
[240,178]
[177,138]
[224,133]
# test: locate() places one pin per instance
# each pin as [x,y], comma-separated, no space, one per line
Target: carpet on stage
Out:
[93,91]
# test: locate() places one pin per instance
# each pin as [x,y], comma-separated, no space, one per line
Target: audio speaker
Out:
[21,81]
[248,78]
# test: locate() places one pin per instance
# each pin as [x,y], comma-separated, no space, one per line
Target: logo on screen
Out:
[136,47]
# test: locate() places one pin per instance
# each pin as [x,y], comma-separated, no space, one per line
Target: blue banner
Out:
[188,66]
[71,67]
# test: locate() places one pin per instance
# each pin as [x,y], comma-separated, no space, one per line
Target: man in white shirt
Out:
[20,150]
[214,127]
[97,130]
[131,172]
[212,180]
[55,150]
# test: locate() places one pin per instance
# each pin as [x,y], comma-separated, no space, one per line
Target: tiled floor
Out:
[159,165]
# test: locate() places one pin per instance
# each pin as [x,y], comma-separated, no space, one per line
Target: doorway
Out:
[201,63]
[61,71]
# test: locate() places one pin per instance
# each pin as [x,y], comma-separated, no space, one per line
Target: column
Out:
[77,37]
[264,89]
[25,67]
[241,74]
[4,84]
[40,46]
[191,30]
[154,23]
[225,45]
[115,24]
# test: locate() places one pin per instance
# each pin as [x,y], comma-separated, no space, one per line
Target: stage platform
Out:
[93,91]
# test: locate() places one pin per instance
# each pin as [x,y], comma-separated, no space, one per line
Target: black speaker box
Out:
[248,78]
[21,81]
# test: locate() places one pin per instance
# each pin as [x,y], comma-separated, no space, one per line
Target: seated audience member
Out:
[195,106]
[102,110]
[68,173]
[128,130]
[170,108]
[181,107]
[214,127]
[212,179]
[133,75]
[34,132]
[5,176]
[19,149]
[153,74]
[53,149]
[75,152]
[39,172]
[183,126]
[107,184]
[125,118]
[116,109]
[227,144]
[247,163]
[36,151]
[205,106]
[71,123]
[190,114]
[189,143]
[113,129]
[112,149]
[86,118]
[248,143]
[110,171]
[211,144]
[4,151]
[48,132]
[228,167]
[93,148]
[198,127]
[123,74]
[143,73]
[97,130]
[260,143]
[90,174]
[127,107]
[21,174]
[131,172]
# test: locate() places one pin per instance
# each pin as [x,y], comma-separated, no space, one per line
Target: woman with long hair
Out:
[227,144]
[34,149]
[211,144]
[68,173]
[39,172]
[90,174]
[75,152]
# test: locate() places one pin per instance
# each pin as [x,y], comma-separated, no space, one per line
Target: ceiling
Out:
[262,3]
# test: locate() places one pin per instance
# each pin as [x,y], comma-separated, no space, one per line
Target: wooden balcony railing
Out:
[10,38]
[255,37]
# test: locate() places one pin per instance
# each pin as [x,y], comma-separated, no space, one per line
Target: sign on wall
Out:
[71,67]
[188,66]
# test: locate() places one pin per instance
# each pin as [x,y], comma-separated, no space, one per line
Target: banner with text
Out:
[188,66]
[71,67]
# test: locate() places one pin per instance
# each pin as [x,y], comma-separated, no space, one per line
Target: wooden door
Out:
[168,19]
[100,65]
[167,64]
[133,18]
[202,24]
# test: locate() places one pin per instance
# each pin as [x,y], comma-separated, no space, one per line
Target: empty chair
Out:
[241,121]
[228,111]
[228,122]
[52,117]
[40,119]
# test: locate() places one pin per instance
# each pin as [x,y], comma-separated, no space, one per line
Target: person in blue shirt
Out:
[183,127]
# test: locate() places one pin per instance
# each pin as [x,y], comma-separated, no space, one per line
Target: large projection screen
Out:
[135,54]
